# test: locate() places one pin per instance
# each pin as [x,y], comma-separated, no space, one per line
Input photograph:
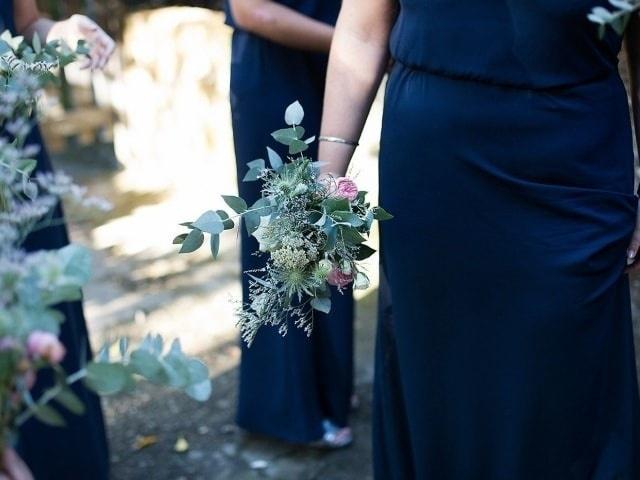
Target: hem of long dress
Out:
[270,433]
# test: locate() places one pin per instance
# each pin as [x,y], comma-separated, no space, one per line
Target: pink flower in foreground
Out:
[339,279]
[45,345]
[346,188]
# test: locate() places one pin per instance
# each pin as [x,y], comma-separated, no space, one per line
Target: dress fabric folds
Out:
[505,347]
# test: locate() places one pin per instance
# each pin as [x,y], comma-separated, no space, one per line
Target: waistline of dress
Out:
[481,79]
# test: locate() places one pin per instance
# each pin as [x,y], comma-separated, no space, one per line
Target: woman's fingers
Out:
[101,46]
[634,247]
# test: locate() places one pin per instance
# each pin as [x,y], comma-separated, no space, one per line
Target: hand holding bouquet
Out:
[314,231]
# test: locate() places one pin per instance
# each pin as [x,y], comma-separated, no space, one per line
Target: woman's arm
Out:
[282,25]
[357,62]
[632,40]
[29,22]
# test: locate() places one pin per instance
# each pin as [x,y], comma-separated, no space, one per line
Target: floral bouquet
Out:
[31,284]
[314,231]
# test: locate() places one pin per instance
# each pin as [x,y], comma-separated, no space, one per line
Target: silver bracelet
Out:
[323,138]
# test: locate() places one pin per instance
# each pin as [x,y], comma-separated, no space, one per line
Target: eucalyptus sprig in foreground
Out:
[33,283]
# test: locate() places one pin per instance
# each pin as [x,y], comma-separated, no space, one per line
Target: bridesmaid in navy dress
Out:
[78,451]
[505,347]
[297,389]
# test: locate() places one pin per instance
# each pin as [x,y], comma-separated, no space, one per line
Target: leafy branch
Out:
[617,18]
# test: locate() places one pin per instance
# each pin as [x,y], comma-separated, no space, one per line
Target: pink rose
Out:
[338,278]
[45,345]
[346,188]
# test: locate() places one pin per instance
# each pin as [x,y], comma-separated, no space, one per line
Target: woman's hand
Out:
[29,22]
[78,27]
[13,468]
[633,265]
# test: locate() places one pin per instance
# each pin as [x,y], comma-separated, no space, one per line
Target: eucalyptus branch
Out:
[617,19]
[49,395]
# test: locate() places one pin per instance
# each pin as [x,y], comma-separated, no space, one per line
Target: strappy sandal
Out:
[334,437]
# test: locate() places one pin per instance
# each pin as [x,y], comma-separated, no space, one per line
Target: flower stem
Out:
[50,395]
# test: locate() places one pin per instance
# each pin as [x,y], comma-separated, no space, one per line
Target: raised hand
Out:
[79,27]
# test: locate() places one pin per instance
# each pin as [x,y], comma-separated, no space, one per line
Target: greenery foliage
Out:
[31,284]
[312,229]
[617,16]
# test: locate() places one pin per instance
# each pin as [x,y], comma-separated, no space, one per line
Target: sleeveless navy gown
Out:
[78,451]
[287,386]
[505,348]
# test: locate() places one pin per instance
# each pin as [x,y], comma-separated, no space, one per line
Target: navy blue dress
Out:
[287,386]
[506,348]
[78,451]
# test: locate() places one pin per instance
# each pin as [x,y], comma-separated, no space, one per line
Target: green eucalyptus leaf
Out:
[274,159]
[5,47]
[252,219]
[331,231]
[316,218]
[175,366]
[347,217]
[179,240]
[215,246]
[288,135]
[381,214]
[199,383]
[48,415]
[226,221]
[321,304]
[209,222]
[68,399]
[237,204]
[297,146]
[27,166]
[294,114]
[364,252]
[106,378]
[335,205]
[258,163]
[146,364]
[200,391]
[193,242]
[76,262]
[350,235]
[253,175]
